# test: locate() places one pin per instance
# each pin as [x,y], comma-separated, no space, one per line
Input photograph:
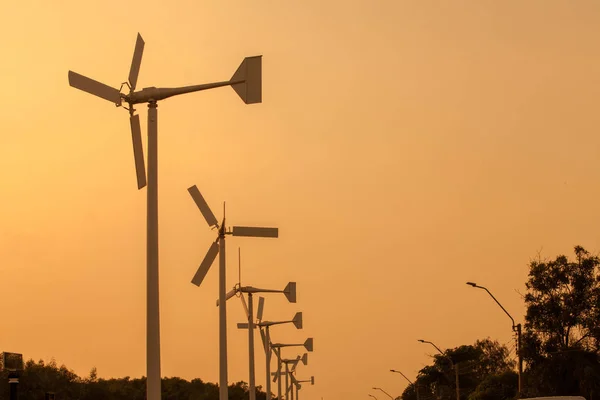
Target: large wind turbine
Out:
[218,247]
[246,81]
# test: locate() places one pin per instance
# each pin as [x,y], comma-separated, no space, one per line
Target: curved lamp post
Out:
[454,365]
[376,388]
[373,396]
[409,381]
[516,328]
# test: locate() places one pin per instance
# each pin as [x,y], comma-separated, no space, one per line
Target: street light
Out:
[516,328]
[376,388]
[373,396]
[409,381]
[455,366]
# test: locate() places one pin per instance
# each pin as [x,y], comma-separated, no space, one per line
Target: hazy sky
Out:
[402,148]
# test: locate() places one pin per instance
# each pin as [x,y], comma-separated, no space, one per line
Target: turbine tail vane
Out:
[247,80]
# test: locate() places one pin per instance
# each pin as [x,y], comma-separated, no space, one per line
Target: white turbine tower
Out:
[246,81]
[218,247]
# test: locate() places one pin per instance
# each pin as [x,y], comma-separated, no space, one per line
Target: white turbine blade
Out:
[293,379]
[94,87]
[206,263]
[255,231]
[203,206]
[309,344]
[261,306]
[138,150]
[136,61]
[244,305]
[229,295]
[277,351]
[247,80]
[295,364]
[297,320]
[290,292]
[263,337]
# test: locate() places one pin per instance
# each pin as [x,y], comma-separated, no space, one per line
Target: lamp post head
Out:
[472,284]
[392,370]
[420,340]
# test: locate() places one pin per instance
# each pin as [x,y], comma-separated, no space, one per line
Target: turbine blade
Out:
[305,359]
[261,306]
[94,87]
[244,305]
[263,337]
[255,231]
[138,150]
[206,263]
[228,295]
[293,379]
[297,320]
[136,61]
[242,325]
[203,206]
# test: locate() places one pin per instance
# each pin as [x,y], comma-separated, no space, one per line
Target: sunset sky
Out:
[402,148]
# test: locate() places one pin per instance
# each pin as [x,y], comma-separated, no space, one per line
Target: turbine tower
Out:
[247,82]
[218,247]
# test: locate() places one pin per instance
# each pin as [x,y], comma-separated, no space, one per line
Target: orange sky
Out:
[402,148]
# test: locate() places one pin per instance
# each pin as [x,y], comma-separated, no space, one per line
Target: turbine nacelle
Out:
[246,81]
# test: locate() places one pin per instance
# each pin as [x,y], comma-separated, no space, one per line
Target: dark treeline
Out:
[38,378]
[561,342]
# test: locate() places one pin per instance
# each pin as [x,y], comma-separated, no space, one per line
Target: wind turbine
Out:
[290,293]
[266,339]
[308,345]
[288,372]
[247,82]
[218,247]
[298,384]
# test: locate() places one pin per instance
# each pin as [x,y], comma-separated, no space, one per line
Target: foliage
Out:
[497,387]
[38,378]
[474,362]
[562,326]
